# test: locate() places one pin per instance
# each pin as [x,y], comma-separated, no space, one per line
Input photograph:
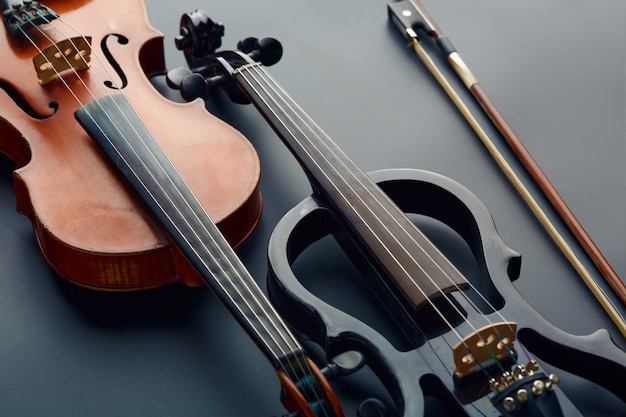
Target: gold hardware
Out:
[486,344]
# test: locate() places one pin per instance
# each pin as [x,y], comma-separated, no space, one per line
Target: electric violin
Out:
[92,227]
[472,342]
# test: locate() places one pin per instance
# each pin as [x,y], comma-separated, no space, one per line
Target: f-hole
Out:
[122,40]
[25,105]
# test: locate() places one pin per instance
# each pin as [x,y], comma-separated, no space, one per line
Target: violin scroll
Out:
[199,35]
[199,39]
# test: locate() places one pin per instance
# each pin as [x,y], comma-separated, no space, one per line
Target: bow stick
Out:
[409,16]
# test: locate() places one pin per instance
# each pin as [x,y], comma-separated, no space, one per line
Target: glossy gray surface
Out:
[556,70]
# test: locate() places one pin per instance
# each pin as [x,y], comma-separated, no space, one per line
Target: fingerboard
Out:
[112,122]
[418,269]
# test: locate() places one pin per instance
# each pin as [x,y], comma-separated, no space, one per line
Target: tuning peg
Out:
[270,50]
[247,45]
[197,86]
[267,51]
[194,86]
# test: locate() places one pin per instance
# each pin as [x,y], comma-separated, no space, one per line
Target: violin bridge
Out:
[67,54]
[484,347]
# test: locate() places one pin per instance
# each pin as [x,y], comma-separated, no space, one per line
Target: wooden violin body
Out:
[91,229]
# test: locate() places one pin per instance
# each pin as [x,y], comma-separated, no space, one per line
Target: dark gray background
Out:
[557,71]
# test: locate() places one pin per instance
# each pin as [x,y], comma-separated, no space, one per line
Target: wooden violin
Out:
[89,226]
[473,343]
[93,228]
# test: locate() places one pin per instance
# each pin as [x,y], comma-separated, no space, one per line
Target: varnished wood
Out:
[90,227]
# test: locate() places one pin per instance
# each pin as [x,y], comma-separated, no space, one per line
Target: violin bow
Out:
[410,16]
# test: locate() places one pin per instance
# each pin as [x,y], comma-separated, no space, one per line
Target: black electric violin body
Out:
[422,369]
[470,342]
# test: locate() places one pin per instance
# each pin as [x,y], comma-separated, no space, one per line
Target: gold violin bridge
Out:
[66,54]
[487,345]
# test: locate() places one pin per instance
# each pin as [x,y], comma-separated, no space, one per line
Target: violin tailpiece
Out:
[23,15]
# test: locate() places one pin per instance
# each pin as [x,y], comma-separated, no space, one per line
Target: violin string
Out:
[287,100]
[442,316]
[303,369]
[305,122]
[262,73]
[282,330]
[282,92]
[121,91]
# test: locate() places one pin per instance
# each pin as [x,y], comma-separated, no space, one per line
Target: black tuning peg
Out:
[247,45]
[267,51]
[199,34]
[197,86]
[270,50]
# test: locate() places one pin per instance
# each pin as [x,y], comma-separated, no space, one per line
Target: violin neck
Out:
[415,265]
[115,126]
